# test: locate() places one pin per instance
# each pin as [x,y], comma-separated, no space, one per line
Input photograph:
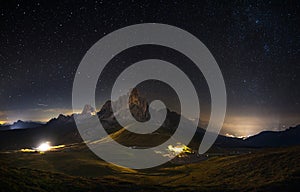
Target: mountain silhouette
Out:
[20,125]
[288,137]
[136,105]
[62,130]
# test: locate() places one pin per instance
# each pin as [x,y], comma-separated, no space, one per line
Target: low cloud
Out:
[244,126]
[42,105]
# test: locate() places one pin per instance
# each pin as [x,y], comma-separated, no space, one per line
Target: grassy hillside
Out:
[79,170]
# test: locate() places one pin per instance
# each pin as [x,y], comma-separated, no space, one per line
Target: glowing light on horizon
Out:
[240,137]
[44,147]
[28,150]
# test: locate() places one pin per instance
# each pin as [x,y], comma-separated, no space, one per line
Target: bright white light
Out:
[180,148]
[176,149]
[44,147]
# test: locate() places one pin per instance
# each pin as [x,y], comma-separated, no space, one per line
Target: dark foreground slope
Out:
[79,170]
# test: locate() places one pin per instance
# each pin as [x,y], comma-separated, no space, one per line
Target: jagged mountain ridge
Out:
[138,106]
[62,130]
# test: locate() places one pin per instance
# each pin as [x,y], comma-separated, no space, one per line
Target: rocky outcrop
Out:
[136,105]
[88,110]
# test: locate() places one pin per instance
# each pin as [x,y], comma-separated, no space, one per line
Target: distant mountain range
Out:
[287,137]
[20,125]
[62,130]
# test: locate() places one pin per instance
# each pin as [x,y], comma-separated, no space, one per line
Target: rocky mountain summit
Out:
[63,129]
[136,105]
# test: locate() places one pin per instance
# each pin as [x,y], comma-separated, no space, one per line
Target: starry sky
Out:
[256,45]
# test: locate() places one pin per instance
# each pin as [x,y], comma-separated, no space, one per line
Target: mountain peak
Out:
[138,107]
[88,110]
[61,116]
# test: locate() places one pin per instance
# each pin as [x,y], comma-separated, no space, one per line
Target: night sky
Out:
[257,46]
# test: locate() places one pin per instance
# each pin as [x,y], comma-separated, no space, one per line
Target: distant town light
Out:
[44,147]
[180,149]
